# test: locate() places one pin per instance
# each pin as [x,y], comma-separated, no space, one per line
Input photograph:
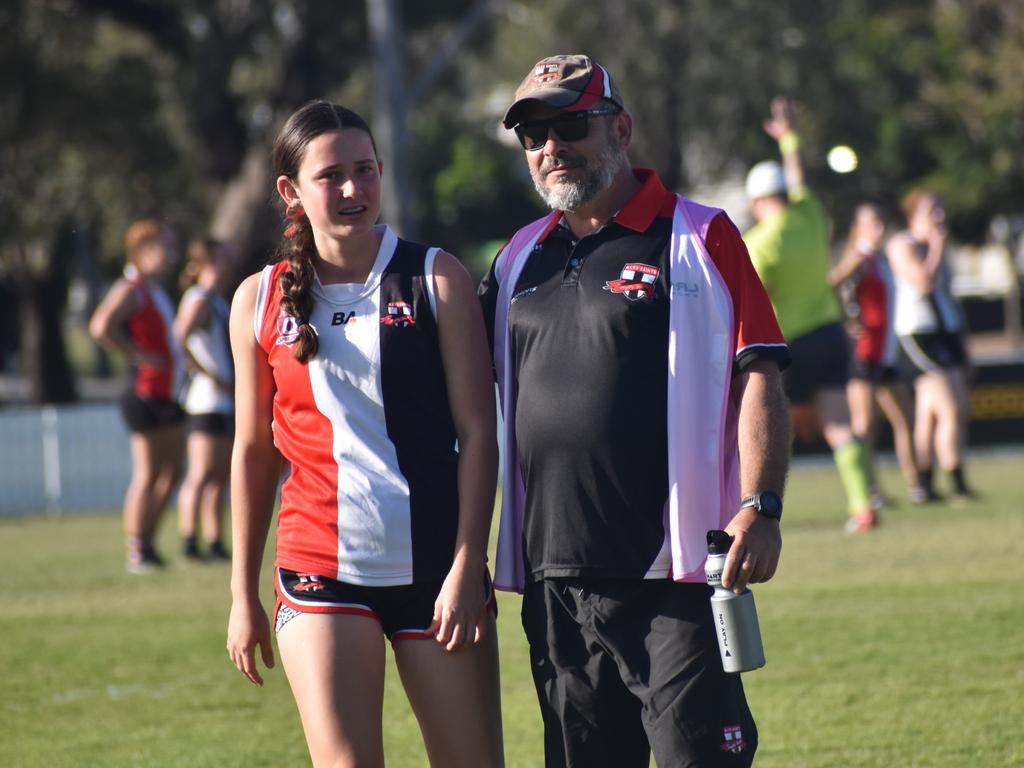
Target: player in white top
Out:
[201,327]
[929,327]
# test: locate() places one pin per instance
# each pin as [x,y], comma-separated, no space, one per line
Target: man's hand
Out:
[755,551]
[782,119]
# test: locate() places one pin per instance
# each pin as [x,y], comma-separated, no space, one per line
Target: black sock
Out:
[924,477]
[189,546]
[959,484]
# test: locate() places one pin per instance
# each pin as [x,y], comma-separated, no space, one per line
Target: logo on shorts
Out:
[399,314]
[287,329]
[733,739]
[308,583]
[636,281]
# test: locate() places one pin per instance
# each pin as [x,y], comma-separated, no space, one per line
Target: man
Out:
[789,249]
[636,354]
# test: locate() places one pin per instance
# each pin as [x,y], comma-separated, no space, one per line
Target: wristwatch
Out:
[766,503]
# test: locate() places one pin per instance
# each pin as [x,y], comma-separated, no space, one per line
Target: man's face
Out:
[569,174]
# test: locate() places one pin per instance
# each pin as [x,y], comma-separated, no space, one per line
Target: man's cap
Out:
[765,179]
[569,82]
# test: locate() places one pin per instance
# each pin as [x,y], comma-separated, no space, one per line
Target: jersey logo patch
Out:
[636,281]
[287,329]
[343,318]
[399,314]
[734,742]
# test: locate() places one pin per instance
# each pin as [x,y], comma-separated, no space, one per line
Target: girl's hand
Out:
[460,609]
[249,627]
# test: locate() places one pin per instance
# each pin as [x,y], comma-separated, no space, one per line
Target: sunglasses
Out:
[568,126]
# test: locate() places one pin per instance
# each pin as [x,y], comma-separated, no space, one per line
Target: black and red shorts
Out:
[875,373]
[404,612]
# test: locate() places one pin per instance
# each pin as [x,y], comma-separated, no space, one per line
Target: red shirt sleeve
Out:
[757,331]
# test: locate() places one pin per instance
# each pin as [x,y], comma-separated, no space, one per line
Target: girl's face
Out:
[338,183]
[929,214]
[159,255]
[868,227]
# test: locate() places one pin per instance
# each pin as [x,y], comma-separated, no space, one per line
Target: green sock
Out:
[852,461]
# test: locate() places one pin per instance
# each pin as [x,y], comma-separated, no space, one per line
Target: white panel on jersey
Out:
[374,535]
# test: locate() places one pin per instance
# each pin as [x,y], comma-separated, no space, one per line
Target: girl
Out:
[135,318]
[201,328]
[874,375]
[929,327]
[361,360]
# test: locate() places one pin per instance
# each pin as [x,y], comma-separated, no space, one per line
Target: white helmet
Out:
[765,179]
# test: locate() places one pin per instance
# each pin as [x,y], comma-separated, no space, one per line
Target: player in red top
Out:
[361,360]
[135,318]
[863,273]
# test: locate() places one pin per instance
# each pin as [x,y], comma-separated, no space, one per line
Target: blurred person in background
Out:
[630,333]
[862,273]
[930,326]
[789,246]
[201,328]
[361,360]
[136,318]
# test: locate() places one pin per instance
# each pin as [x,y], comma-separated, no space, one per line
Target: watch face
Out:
[770,505]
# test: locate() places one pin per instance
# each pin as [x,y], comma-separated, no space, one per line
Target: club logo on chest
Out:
[636,281]
[399,314]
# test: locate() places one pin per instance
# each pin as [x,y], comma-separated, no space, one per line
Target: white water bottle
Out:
[735,616]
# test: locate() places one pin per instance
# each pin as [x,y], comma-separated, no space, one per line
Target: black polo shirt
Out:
[589,325]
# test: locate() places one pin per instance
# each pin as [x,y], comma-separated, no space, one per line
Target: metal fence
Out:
[59,459]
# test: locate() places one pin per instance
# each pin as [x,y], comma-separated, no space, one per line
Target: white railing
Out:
[58,459]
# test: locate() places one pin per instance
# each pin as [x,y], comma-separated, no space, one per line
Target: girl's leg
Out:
[140,491]
[168,450]
[189,496]
[211,502]
[456,698]
[860,393]
[894,400]
[335,667]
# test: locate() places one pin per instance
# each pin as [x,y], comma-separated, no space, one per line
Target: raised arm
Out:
[905,263]
[781,127]
[459,613]
[764,444]
[255,469]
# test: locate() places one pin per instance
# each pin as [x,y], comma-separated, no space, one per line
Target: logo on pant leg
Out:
[733,739]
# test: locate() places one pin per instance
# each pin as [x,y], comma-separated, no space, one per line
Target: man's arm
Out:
[764,445]
[781,127]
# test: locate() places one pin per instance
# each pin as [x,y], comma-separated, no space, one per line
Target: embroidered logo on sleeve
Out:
[733,739]
[636,281]
[399,315]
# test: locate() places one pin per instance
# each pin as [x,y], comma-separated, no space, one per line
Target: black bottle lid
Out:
[719,542]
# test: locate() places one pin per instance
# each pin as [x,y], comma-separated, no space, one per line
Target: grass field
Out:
[901,648]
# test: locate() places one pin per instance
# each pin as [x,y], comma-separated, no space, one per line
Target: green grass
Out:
[901,648]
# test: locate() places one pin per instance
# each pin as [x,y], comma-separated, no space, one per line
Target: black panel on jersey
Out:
[589,333]
[417,411]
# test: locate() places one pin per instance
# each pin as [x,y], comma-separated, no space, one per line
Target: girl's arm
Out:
[920,273]
[108,323]
[255,468]
[459,614]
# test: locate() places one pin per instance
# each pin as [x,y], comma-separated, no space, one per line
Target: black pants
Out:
[626,666]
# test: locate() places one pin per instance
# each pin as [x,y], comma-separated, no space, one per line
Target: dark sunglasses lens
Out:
[573,128]
[570,127]
[532,135]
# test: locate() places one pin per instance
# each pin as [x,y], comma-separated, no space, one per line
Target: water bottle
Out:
[739,636]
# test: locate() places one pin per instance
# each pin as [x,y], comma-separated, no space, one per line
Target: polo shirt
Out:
[589,324]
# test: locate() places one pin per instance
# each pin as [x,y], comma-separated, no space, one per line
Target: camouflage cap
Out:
[571,83]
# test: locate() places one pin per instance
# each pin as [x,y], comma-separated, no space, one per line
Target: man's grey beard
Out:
[597,177]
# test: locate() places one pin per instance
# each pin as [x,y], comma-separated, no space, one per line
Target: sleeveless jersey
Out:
[876,343]
[210,348]
[933,312]
[370,495]
[150,329]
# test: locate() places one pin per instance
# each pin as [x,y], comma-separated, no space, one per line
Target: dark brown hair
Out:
[297,247]
[200,253]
